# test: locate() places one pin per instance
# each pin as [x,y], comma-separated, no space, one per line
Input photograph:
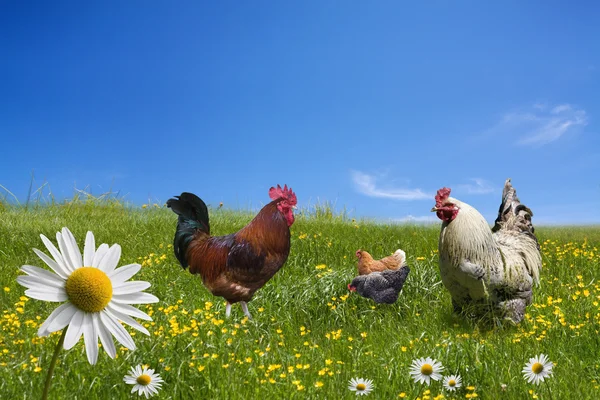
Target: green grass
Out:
[302,317]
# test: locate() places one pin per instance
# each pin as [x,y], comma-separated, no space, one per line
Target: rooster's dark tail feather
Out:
[512,214]
[193,216]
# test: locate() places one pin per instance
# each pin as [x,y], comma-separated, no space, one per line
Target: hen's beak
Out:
[434,209]
[351,288]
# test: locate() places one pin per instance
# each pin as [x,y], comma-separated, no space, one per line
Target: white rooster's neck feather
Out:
[468,237]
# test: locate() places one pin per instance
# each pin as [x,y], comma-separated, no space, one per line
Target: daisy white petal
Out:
[61,317]
[73,252]
[42,274]
[90,337]
[99,255]
[124,273]
[111,259]
[117,330]
[130,287]
[57,255]
[44,328]
[127,320]
[105,337]
[129,310]
[47,294]
[135,298]
[38,272]
[57,267]
[62,245]
[89,249]
[33,282]
[74,331]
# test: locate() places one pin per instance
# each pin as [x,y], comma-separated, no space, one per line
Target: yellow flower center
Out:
[361,386]
[451,383]
[89,289]
[144,380]
[537,368]
[426,369]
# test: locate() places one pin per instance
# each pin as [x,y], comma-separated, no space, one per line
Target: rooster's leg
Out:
[245,308]
[514,310]
[228,309]
[457,307]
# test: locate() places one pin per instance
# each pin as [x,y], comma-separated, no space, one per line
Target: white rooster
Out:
[488,269]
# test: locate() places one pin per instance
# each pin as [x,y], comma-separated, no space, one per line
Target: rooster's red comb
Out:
[442,195]
[288,194]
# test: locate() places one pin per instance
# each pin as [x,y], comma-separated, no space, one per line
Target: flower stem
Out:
[53,364]
[549,391]
[419,392]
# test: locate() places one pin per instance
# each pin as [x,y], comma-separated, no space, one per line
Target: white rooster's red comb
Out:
[288,194]
[442,195]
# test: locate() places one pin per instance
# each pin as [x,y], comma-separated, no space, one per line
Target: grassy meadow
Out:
[309,335]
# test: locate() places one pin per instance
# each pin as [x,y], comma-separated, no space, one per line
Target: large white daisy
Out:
[361,386]
[95,293]
[424,370]
[537,369]
[144,381]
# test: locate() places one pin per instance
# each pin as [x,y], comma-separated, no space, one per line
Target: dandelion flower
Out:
[361,386]
[537,369]
[144,380]
[452,382]
[95,293]
[424,370]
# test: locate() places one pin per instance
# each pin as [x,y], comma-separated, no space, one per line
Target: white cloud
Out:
[421,219]
[561,108]
[479,186]
[367,185]
[541,124]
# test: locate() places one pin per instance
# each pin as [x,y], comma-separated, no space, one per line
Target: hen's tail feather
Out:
[397,277]
[512,215]
[400,256]
[193,217]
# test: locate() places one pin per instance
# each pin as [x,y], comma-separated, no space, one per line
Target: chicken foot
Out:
[244,308]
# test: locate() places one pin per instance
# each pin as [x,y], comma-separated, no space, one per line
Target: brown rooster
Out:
[236,265]
[366,263]
[488,269]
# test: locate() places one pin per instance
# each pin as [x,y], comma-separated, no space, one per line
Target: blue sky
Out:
[370,105]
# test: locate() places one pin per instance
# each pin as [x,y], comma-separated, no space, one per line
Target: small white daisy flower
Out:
[424,370]
[537,369]
[95,293]
[361,386]
[452,382]
[144,381]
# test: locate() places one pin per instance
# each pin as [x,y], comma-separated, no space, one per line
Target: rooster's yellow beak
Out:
[434,209]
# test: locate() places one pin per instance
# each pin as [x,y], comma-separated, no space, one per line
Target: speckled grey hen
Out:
[381,287]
